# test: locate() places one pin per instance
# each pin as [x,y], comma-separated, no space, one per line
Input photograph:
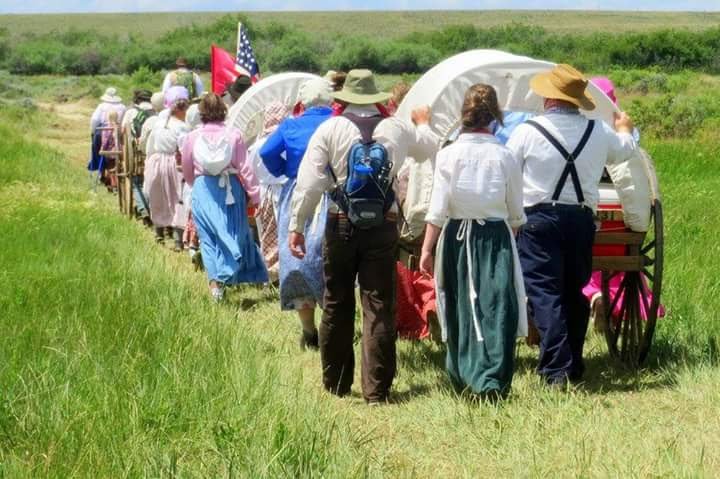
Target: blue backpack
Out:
[367,194]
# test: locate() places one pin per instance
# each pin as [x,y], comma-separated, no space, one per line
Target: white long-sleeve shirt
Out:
[265,178]
[476,178]
[167,136]
[170,80]
[542,164]
[100,115]
[331,144]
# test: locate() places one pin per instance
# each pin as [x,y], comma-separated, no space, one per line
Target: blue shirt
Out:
[511,120]
[292,138]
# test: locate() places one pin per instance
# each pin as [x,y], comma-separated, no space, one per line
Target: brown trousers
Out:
[369,256]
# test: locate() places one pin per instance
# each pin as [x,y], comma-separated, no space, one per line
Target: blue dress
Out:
[300,279]
[229,252]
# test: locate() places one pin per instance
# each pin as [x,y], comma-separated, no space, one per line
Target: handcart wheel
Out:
[631,312]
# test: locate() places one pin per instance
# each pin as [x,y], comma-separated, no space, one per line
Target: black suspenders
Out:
[570,169]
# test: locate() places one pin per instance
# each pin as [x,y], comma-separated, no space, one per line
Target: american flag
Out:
[245,58]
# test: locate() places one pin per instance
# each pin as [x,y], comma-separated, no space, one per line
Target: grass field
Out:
[375,24]
[115,364]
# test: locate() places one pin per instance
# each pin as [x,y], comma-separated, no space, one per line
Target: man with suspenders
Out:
[563,155]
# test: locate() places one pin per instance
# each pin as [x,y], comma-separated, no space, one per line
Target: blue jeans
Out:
[141,205]
[555,248]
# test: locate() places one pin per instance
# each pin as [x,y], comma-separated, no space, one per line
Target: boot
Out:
[159,235]
[309,340]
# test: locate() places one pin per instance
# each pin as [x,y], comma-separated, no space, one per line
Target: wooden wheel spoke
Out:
[648,247]
[648,274]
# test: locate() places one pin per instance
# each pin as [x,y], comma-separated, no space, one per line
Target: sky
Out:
[97,6]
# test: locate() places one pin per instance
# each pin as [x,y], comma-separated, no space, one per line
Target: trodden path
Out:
[68,128]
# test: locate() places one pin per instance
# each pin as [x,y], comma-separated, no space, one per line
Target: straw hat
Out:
[360,89]
[111,96]
[563,83]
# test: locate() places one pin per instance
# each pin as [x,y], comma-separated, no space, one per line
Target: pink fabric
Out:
[275,113]
[594,287]
[606,86]
[163,186]
[174,94]
[239,161]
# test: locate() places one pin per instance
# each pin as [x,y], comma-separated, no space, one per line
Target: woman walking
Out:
[476,200]
[270,189]
[301,280]
[163,181]
[214,164]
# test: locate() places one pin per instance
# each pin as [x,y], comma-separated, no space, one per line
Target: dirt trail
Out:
[68,128]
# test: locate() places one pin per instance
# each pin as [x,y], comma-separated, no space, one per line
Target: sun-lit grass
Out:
[383,24]
[113,363]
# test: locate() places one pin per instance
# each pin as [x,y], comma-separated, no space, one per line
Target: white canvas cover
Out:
[247,113]
[443,89]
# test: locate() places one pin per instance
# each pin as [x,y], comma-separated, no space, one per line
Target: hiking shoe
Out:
[309,340]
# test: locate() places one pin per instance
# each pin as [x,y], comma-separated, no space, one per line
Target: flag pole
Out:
[239,31]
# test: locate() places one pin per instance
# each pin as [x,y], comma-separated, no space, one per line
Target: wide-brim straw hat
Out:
[563,83]
[111,96]
[360,89]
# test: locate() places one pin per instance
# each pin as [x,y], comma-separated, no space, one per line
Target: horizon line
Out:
[365,10]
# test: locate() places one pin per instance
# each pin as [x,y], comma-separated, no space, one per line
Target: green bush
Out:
[294,52]
[281,47]
[355,52]
[398,58]
[673,114]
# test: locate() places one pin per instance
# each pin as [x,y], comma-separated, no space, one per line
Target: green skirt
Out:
[481,304]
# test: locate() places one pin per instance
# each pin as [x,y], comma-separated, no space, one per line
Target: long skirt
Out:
[163,189]
[301,280]
[101,163]
[266,219]
[229,254]
[481,305]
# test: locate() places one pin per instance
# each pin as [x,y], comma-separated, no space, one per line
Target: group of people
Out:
[313,205]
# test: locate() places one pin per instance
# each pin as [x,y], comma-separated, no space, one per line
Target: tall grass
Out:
[113,363]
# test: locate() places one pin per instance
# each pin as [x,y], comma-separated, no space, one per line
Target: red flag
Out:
[223,69]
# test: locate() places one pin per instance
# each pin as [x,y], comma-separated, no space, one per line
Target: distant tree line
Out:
[281,48]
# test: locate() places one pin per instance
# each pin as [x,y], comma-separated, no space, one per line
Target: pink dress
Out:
[163,181]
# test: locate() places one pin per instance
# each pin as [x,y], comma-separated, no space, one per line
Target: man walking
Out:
[185,77]
[353,250]
[563,155]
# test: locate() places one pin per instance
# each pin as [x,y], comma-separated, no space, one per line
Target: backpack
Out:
[214,157]
[186,78]
[367,194]
[139,121]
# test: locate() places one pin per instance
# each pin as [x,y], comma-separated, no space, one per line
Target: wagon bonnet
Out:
[248,112]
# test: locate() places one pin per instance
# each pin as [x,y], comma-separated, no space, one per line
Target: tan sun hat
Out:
[111,96]
[563,83]
[360,89]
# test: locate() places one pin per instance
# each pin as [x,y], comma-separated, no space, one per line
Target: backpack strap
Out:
[570,158]
[366,125]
